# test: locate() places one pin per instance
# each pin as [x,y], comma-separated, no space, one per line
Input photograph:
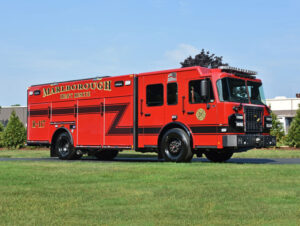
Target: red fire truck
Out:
[176,113]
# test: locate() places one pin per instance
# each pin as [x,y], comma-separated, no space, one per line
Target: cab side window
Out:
[155,95]
[195,92]
[172,93]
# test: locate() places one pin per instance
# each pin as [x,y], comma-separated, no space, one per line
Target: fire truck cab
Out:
[176,113]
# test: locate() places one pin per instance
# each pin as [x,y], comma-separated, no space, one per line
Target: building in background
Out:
[21,112]
[285,109]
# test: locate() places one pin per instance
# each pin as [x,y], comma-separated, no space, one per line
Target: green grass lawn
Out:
[254,153]
[123,193]
[25,153]
[268,153]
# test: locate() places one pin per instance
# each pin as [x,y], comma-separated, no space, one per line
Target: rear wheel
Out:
[175,146]
[64,148]
[218,156]
[106,154]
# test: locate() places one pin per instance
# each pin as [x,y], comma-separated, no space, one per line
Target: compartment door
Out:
[38,122]
[89,122]
[118,121]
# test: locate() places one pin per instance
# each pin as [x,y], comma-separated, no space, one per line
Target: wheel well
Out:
[55,136]
[172,126]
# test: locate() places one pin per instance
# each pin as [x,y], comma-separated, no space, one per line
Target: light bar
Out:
[239,71]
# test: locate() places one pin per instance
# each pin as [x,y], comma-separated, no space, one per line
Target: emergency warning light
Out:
[239,72]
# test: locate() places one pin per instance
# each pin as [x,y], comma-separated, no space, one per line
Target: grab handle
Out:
[183,110]
[142,107]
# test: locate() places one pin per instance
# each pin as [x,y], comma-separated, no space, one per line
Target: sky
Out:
[51,41]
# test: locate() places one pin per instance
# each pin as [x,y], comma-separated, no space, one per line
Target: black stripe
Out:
[39,112]
[127,130]
[89,109]
[149,130]
[204,129]
[62,111]
[114,129]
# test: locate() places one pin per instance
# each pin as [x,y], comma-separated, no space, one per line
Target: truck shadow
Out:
[195,160]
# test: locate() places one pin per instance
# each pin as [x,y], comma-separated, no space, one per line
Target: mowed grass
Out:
[269,153]
[24,153]
[254,153]
[124,193]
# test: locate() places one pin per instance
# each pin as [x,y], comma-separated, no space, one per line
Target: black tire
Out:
[218,156]
[106,154]
[175,146]
[64,148]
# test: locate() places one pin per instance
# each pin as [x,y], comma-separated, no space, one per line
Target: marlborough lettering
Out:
[102,85]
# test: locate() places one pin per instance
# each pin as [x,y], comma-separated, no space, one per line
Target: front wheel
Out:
[175,146]
[218,156]
[64,148]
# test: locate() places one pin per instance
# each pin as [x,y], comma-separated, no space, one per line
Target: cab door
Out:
[201,114]
[151,109]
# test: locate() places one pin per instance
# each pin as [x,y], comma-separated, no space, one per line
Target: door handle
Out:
[183,110]
[141,106]
[147,115]
[190,112]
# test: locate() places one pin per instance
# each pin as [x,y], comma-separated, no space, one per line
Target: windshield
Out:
[232,90]
[256,93]
[235,90]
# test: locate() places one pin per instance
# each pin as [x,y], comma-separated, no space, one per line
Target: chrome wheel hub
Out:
[175,146]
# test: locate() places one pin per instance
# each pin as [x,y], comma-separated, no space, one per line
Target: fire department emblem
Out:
[200,114]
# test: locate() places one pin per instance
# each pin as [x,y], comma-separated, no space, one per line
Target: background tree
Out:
[277,129]
[293,138]
[1,127]
[14,135]
[1,134]
[204,59]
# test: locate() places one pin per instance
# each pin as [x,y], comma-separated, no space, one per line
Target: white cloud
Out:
[181,52]
[172,58]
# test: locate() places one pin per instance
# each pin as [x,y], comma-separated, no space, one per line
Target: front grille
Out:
[253,119]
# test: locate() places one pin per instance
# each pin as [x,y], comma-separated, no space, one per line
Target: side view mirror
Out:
[204,89]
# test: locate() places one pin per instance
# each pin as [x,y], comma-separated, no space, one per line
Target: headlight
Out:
[269,126]
[239,124]
[268,122]
[236,121]
[268,119]
[239,117]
